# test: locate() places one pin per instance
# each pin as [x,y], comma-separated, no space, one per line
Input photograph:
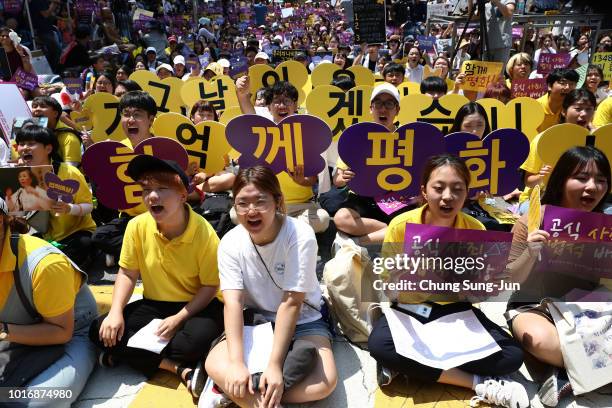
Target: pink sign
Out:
[25,80]
[533,88]
[548,62]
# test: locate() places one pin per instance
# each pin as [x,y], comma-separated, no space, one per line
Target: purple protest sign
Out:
[580,242]
[13,7]
[74,85]
[427,43]
[548,62]
[493,161]
[25,80]
[532,88]
[392,202]
[61,190]
[105,163]
[238,67]
[386,161]
[295,140]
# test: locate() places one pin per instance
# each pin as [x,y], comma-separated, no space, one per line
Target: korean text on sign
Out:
[479,74]
[604,60]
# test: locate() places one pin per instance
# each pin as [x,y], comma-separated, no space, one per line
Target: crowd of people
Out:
[217,252]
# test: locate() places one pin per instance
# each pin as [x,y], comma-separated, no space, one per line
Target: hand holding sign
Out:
[294,141]
[262,76]
[61,190]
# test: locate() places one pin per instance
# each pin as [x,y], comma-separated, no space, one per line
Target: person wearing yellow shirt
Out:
[69,142]
[70,224]
[603,115]
[138,110]
[281,102]
[560,82]
[444,190]
[174,251]
[48,324]
[578,108]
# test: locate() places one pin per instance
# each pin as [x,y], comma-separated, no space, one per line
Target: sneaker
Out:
[198,380]
[553,390]
[504,393]
[384,375]
[109,260]
[105,359]
[212,397]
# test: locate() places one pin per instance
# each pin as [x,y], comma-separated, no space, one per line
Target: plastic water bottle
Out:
[520,6]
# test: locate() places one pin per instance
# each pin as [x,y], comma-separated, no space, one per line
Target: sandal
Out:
[194,380]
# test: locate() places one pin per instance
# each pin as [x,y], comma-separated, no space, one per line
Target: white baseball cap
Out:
[262,55]
[224,63]
[385,88]
[179,59]
[151,49]
[167,66]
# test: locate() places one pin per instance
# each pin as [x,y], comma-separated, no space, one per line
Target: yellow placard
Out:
[205,142]
[427,72]
[479,74]
[559,138]
[423,108]
[229,114]
[340,109]
[534,215]
[166,92]
[409,88]
[524,114]
[604,61]
[262,76]
[82,119]
[105,117]
[324,74]
[220,91]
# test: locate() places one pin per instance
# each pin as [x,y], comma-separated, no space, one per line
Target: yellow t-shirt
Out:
[63,225]
[532,164]
[603,114]
[69,144]
[550,118]
[293,192]
[55,283]
[171,270]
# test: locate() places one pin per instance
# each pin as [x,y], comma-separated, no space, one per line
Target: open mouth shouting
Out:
[156,209]
[133,130]
[27,157]
[446,209]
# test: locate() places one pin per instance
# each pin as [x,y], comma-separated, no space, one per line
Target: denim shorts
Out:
[317,328]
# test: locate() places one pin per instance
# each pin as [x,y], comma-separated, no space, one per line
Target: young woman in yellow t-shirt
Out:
[444,188]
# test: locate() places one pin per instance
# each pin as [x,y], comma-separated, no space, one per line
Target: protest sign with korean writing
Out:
[61,190]
[262,76]
[427,43]
[166,92]
[25,80]
[340,109]
[492,161]
[205,142]
[220,91]
[279,56]
[386,161]
[524,114]
[369,21]
[106,163]
[548,62]
[24,188]
[479,74]
[105,117]
[531,88]
[74,85]
[324,74]
[423,108]
[604,61]
[297,140]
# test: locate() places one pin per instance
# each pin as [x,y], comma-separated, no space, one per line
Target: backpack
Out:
[216,210]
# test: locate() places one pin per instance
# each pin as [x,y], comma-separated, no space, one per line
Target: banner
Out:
[106,163]
[479,74]
[531,88]
[369,22]
[548,62]
[24,188]
[297,140]
[427,43]
[492,161]
[386,161]
[74,86]
[604,61]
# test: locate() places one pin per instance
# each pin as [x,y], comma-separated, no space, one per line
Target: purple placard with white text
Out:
[25,80]
[548,62]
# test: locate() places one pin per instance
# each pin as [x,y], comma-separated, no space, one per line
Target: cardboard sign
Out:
[369,21]
[262,76]
[479,74]
[386,161]
[220,91]
[531,88]
[61,190]
[524,114]
[166,93]
[340,109]
[492,161]
[205,142]
[324,74]
[106,163]
[604,61]
[25,80]
[548,62]
[423,108]
[24,189]
[559,138]
[12,106]
[296,140]
[105,117]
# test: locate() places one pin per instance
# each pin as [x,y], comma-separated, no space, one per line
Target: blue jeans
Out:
[72,370]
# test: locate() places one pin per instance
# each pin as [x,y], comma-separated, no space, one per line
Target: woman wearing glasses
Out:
[267,263]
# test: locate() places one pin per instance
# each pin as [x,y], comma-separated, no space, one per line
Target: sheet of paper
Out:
[431,344]
[257,343]
[146,338]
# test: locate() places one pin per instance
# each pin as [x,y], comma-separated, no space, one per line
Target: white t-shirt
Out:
[263,111]
[291,259]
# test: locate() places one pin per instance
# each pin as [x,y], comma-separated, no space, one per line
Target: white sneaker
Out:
[110,260]
[211,397]
[504,393]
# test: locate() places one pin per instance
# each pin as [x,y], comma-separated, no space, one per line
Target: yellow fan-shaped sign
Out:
[262,76]
[105,117]
[409,88]
[166,92]
[423,108]
[220,91]
[324,74]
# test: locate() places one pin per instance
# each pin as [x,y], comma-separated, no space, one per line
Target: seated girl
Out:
[180,286]
[267,263]
[444,188]
[580,180]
